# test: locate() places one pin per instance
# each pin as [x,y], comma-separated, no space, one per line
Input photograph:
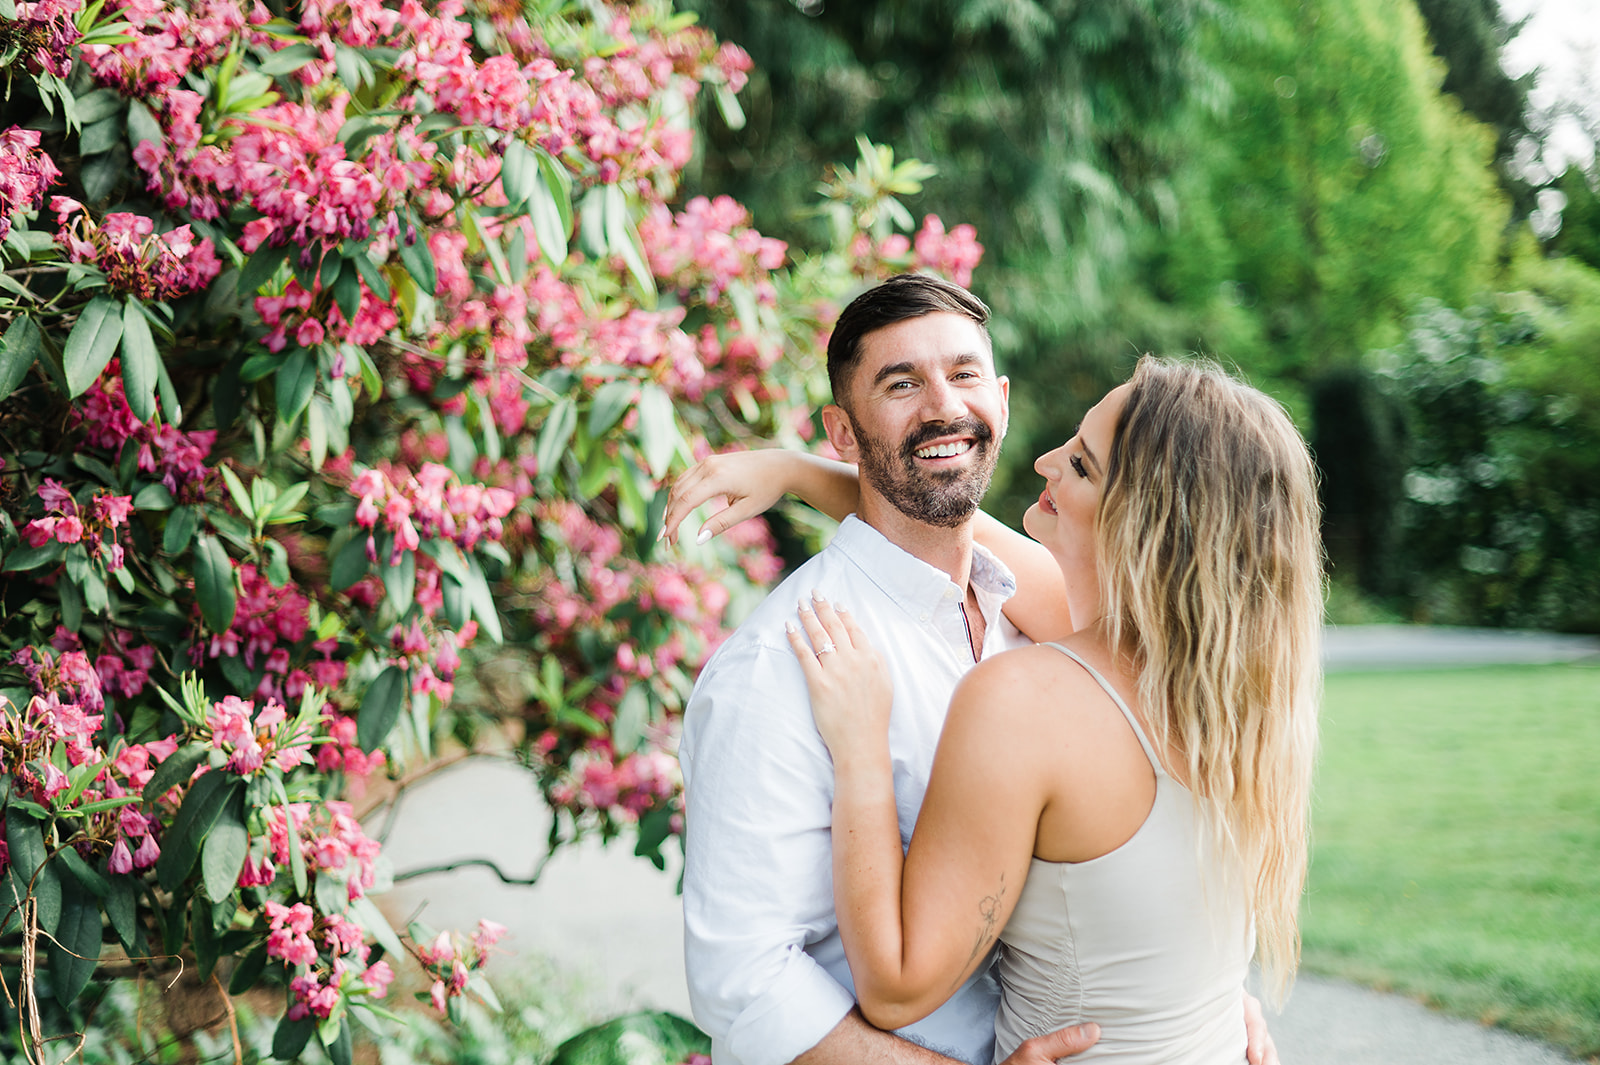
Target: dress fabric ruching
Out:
[1151,941]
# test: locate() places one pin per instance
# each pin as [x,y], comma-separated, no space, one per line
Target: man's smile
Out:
[948,449]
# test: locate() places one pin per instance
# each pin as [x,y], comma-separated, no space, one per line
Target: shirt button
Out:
[925,617]
[950,592]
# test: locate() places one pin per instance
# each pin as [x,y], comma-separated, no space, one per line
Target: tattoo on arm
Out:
[988,919]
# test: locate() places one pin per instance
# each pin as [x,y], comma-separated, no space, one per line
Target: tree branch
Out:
[485,863]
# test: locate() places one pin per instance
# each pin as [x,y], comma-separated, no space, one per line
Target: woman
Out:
[1129,804]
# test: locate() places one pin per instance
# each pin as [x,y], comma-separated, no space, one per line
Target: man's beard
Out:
[941,498]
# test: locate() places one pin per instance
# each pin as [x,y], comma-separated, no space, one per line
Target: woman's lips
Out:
[1047,504]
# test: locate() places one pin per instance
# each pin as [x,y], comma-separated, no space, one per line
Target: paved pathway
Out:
[615,923]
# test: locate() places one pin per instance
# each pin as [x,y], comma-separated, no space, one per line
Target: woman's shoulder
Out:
[1030,681]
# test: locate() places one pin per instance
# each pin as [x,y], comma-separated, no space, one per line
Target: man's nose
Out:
[942,403]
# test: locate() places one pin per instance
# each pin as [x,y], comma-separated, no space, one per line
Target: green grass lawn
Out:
[1456,844]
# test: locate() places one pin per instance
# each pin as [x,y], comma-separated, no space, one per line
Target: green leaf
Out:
[418,261]
[558,182]
[168,393]
[22,345]
[75,949]
[339,1049]
[365,913]
[71,596]
[26,843]
[610,403]
[380,707]
[291,1037]
[100,174]
[347,293]
[658,429]
[629,1039]
[213,582]
[350,563]
[122,908]
[140,362]
[260,267]
[556,432]
[236,489]
[372,275]
[98,105]
[26,558]
[482,600]
[181,526]
[225,849]
[287,60]
[178,767]
[622,238]
[519,173]
[203,935]
[152,497]
[728,104]
[142,125]
[551,226]
[248,971]
[277,564]
[86,877]
[100,136]
[400,582]
[297,379]
[200,810]
[90,346]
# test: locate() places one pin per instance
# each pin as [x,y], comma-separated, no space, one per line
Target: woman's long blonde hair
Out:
[1210,566]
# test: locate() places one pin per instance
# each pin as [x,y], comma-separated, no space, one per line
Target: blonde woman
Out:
[1125,809]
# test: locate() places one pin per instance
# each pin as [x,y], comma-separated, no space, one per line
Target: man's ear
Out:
[1005,405]
[841,432]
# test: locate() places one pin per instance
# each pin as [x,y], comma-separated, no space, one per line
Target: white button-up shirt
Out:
[767,972]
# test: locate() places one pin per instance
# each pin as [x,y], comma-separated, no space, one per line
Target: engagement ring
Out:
[825,648]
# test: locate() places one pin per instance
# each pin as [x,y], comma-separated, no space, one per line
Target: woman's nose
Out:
[1049,464]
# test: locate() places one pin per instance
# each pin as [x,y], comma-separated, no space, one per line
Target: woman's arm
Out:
[752,481]
[916,926]
[1039,608]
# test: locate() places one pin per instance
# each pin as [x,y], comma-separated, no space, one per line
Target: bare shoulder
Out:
[1028,686]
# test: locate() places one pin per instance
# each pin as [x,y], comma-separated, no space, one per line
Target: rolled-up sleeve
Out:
[758,881]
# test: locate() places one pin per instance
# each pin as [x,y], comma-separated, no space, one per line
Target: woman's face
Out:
[1063,518]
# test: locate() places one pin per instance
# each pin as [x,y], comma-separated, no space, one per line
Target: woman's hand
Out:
[849,682]
[752,481]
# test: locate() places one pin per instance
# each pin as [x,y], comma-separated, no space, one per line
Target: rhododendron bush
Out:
[348,348]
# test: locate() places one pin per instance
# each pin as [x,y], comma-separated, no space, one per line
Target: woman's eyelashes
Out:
[1077,466]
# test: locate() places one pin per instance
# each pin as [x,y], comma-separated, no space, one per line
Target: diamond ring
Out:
[825,648]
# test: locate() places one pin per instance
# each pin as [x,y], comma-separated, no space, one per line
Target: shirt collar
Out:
[912,583]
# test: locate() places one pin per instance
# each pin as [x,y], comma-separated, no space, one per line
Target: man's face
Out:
[924,417]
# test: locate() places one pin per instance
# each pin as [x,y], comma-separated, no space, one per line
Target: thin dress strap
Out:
[1144,741]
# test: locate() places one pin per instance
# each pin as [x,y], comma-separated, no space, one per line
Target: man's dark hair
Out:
[901,297]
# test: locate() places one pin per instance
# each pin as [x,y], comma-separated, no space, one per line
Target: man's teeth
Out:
[944,451]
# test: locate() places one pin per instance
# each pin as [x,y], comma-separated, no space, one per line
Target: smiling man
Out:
[920,410]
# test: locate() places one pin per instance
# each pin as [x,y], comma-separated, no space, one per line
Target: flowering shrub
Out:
[340,382]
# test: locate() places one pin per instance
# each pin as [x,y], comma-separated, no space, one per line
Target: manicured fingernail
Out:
[662,534]
[790,627]
[840,608]
[805,607]
[816,593]
[704,534]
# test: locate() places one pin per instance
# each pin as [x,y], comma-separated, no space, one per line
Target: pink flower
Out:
[121,860]
[146,855]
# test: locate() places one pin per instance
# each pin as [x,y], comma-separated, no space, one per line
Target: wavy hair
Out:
[1210,566]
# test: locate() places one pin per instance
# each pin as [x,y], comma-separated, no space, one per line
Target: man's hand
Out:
[1258,1045]
[1045,1049]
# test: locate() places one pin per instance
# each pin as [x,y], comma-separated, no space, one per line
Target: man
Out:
[921,412]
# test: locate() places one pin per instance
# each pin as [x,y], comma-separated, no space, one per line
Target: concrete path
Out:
[615,924]
[1377,647]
